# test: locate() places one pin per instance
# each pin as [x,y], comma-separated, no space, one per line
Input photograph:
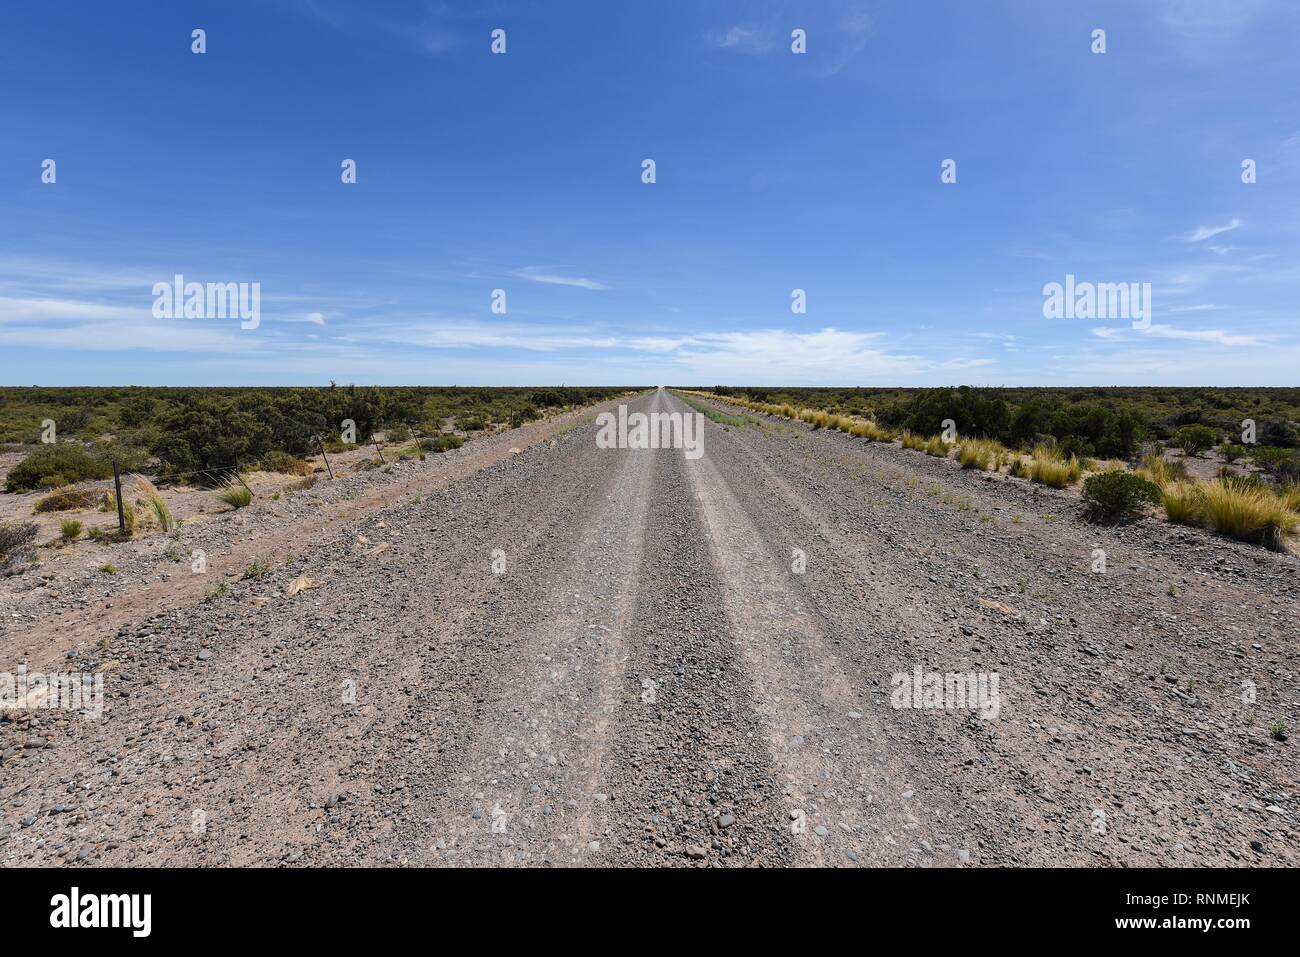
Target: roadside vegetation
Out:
[1117,440]
[203,435]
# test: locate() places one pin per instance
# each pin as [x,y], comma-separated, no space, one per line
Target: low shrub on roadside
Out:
[66,499]
[285,463]
[937,447]
[1117,494]
[442,443]
[70,530]
[51,466]
[15,542]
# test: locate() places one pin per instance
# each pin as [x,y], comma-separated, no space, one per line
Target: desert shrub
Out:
[442,443]
[211,439]
[937,447]
[974,413]
[399,432]
[1279,432]
[235,495]
[1194,439]
[68,498]
[335,444]
[1231,452]
[1287,470]
[471,423]
[60,463]
[912,441]
[1116,494]
[15,537]
[259,568]
[70,529]
[278,461]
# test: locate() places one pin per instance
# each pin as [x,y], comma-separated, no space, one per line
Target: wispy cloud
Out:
[740,39]
[438,42]
[854,31]
[1160,331]
[1205,232]
[539,274]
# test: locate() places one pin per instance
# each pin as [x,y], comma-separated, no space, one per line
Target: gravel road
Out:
[573,655]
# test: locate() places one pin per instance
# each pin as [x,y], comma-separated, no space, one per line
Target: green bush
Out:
[1115,494]
[442,443]
[70,529]
[61,463]
[1195,439]
[278,461]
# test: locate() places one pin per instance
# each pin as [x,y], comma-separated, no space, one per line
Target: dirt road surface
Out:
[573,655]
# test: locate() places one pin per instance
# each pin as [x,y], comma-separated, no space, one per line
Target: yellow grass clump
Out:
[1247,513]
[1050,468]
[983,454]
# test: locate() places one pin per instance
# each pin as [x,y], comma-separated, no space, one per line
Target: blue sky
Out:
[775,171]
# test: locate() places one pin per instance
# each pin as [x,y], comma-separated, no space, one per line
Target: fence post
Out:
[375,442]
[117,487]
[321,443]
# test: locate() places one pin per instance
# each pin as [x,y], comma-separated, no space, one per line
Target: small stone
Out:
[204,655]
[727,819]
[695,851]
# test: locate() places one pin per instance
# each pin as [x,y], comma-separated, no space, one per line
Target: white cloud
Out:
[536,274]
[738,38]
[1205,232]
[438,42]
[60,310]
[1159,331]
[779,356]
